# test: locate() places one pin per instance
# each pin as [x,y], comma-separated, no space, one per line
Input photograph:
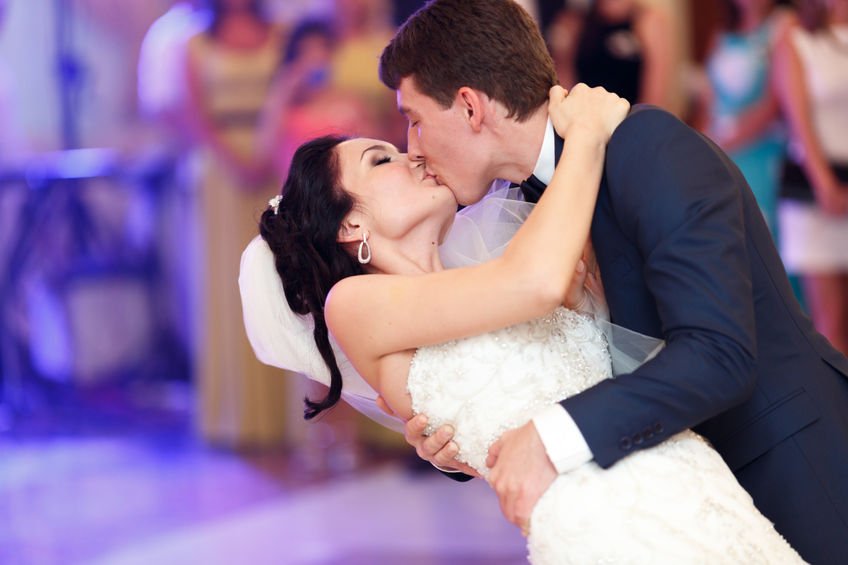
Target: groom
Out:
[684,255]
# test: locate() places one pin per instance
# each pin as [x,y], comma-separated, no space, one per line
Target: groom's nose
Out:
[412,146]
[414,158]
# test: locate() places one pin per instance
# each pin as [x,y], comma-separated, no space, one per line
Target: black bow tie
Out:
[532,189]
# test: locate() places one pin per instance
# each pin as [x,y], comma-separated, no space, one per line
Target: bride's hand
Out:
[589,110]
[438,449]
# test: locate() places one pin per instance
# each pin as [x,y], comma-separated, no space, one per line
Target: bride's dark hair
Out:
[302,234]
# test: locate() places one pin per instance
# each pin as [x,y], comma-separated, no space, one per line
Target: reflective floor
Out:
[146,492]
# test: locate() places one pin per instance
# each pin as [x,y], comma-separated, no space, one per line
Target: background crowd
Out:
[140,141]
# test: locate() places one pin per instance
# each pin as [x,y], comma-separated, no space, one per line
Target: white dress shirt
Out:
[564,443]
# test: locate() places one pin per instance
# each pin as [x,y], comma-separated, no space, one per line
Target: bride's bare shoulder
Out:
[342,301]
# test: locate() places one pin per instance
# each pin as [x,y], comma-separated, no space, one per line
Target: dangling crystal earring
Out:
[363,249]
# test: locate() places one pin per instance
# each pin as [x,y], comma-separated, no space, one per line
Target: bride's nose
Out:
[412,161]
[417,167]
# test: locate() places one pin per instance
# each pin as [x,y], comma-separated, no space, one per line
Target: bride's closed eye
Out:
[382,160]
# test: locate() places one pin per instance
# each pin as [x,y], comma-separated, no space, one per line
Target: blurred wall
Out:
[106,35]
[105,38]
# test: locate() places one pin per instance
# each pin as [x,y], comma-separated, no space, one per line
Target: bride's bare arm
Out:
[376,315]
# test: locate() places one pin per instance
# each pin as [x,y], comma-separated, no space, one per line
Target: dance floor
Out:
[148,493]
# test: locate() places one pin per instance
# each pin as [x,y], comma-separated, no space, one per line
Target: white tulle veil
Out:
[480,232]
[283,339]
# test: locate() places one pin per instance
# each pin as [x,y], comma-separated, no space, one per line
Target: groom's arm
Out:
[678,199]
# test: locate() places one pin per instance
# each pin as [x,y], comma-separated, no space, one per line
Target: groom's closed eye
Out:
[411,120]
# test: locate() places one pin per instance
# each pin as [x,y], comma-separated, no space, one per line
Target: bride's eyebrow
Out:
[374,148]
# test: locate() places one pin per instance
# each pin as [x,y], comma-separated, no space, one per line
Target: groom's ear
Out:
[472,104]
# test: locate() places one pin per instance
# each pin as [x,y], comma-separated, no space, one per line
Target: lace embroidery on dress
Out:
[566,350]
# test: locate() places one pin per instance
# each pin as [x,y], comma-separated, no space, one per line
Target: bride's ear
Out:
[350,231]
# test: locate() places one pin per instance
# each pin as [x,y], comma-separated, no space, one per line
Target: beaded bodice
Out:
[487,384]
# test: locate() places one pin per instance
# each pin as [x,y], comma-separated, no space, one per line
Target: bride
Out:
[355,237]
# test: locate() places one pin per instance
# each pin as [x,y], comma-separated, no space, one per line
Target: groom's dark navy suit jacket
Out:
[685,255]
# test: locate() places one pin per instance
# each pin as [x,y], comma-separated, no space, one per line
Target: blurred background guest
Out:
[811,69]
[304,101]
[365,27]
[626,46]
[229,70]
[162,96]
[744,117]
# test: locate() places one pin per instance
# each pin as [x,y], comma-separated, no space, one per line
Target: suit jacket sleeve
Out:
[677,199]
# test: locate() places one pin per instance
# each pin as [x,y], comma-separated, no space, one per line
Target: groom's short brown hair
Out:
[490,45]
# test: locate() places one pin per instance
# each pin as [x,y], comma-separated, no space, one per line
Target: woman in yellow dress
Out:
[230,65]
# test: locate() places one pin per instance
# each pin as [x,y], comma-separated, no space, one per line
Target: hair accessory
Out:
[363,246]
[274,203]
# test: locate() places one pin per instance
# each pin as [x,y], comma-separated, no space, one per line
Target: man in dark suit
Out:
[684,254]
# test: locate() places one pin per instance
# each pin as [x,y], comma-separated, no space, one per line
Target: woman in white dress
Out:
[355,237]
[811,70]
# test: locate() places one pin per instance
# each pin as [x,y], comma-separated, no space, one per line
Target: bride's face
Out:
[395,196]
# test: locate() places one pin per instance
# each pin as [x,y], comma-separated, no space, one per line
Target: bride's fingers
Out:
[446,456]
[439,449]
[413,431]
[557,93]
[594,109]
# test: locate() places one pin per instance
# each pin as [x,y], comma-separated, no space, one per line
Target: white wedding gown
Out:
[674,503]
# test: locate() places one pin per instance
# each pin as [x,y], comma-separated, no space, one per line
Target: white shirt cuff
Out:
[564,443]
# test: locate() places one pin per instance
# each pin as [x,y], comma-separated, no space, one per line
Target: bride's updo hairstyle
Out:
[302,234]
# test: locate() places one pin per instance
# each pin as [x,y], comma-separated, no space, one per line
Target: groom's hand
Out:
[520,472]
[438,449]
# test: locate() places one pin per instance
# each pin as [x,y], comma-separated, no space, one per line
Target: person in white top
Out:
[811,69]
[161,59]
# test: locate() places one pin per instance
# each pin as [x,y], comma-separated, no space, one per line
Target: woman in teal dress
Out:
[744,114]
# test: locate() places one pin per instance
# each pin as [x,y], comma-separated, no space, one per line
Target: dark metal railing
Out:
[55,243]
